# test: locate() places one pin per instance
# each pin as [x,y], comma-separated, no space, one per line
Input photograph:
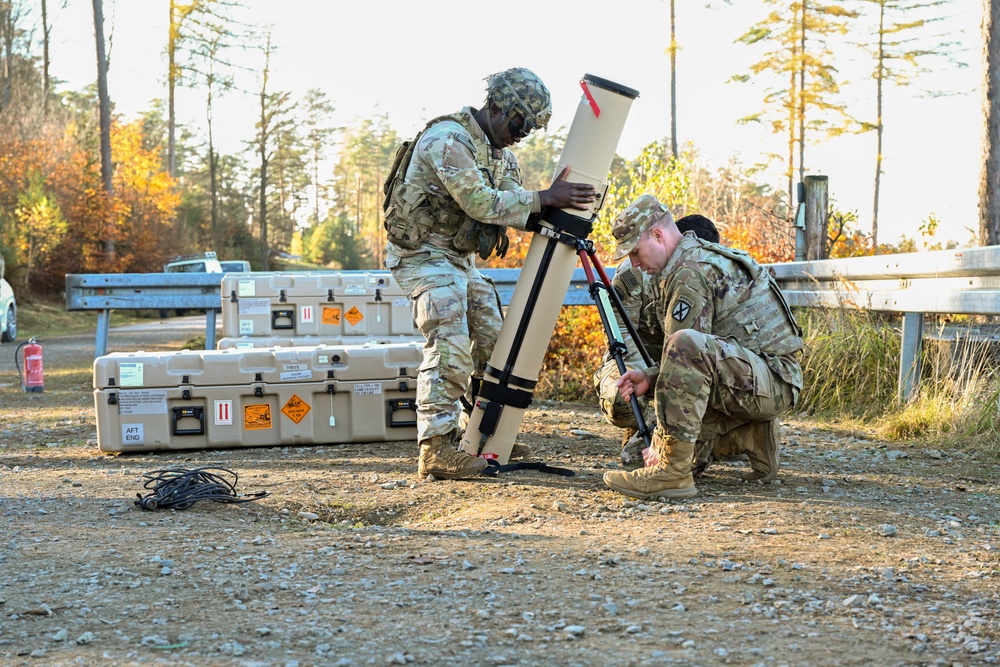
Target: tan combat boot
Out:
[670,478]
[762,450]
[439,457]
[704,454]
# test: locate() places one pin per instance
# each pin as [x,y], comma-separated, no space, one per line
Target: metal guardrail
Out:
[201,291]
[964,281]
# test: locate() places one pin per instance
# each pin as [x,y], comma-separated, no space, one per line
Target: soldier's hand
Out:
[564,194]
[650,457]
[633,382]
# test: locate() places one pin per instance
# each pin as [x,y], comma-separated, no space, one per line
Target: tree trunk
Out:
[173,29]
[45,58]
[802,97]
[7,33]
[105,112]
[989,181]
[264,259]
[673,82]
[213,164]
[878,121]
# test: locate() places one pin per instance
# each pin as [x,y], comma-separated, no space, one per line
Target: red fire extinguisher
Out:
[33,378]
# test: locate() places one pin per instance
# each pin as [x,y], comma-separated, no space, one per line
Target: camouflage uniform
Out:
[638,293]
[731,346]
[454,306]
[729,358]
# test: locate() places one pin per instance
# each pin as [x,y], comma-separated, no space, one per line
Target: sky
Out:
[413,60]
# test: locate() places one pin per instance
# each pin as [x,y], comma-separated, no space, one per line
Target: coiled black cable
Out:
[180,488]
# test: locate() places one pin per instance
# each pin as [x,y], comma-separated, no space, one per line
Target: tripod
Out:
[604,296]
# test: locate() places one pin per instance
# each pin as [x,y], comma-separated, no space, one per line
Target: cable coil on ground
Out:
[180,488]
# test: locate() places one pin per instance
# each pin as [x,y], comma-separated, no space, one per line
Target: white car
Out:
[206,262]
[8,309]
[235,266]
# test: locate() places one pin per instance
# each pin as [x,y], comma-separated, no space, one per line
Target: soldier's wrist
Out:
[536,201]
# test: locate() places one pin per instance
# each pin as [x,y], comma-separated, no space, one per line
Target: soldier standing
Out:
[729,357]
[460,187]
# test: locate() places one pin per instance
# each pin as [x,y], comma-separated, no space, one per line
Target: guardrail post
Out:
[817,214]
[103,325]
[210,329]
[910,356]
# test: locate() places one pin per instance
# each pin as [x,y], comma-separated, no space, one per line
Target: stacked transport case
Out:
[305,359]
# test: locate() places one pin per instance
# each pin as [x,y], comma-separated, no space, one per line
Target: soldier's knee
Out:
[686,340]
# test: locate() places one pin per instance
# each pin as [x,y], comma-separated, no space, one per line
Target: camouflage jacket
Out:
[639,292]
[722,291]
[459,173]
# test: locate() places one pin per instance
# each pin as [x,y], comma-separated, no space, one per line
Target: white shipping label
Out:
[295,367]
[367,389]
[255,306]
[246,288]
[132,435]
[223,413]
[246,327]
[296,375]
[401,303]
[245,346]
[306,313]
[129,374]
[355,290]
[142,402]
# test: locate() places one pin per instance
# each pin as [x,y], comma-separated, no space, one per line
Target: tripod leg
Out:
[616,346]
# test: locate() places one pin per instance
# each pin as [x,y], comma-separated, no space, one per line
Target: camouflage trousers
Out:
[615,409]
[458,311]
[708,385]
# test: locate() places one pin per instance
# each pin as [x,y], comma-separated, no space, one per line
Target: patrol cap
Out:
[633,221]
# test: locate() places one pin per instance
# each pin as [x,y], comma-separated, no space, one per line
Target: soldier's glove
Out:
[492,237]
[503,243]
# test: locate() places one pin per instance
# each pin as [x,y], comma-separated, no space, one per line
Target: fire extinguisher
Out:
[33,378]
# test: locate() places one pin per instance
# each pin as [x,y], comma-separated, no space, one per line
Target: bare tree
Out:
[274,123]
[105,115]
[46,30]
[900,47]
[673,81]
[804,93]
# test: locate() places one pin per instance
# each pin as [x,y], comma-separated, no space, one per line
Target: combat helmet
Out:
[519,90]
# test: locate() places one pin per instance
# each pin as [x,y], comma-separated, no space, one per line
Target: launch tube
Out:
[512,373]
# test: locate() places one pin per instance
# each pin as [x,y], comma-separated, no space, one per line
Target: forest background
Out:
[87,188]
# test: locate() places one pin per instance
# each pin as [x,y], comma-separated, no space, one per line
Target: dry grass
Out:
[851,369]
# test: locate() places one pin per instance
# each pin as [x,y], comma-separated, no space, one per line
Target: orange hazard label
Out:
[354,316]
[331,316]
[256,417]
[295,409]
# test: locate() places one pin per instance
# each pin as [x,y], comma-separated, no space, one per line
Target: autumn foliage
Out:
[55,217]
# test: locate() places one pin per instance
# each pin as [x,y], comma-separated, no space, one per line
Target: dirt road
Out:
[863,553]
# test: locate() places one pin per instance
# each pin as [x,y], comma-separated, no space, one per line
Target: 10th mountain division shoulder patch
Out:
[681,310]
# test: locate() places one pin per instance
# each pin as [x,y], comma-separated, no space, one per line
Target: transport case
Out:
[256,398]
[254,342]
[315,304]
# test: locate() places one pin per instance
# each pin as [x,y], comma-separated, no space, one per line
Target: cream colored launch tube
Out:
[512,373]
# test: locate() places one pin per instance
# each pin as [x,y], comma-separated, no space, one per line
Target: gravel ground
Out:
[862,553]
